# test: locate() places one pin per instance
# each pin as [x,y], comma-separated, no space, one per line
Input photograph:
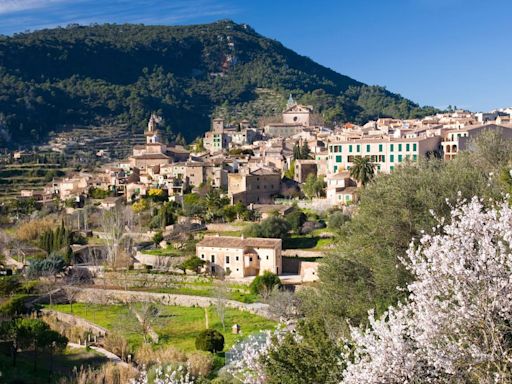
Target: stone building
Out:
[458,139]
[385,152]
[155,152]
[258,186]
[240,257]
[295,118]
[304,168]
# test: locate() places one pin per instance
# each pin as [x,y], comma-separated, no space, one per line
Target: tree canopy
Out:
[104,74]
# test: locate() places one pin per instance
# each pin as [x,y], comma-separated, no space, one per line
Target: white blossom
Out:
[456,323]
[247,357]
[169,375]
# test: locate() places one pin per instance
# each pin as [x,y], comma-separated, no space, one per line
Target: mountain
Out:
[106,74]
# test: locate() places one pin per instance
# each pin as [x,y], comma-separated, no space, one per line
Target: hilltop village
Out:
[269,164]
[264,171]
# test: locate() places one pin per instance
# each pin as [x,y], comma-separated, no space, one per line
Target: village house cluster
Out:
[249,165]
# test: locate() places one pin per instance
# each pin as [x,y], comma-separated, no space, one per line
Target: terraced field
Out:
[15,177]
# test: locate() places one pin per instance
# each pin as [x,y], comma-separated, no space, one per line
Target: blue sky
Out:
[435,52]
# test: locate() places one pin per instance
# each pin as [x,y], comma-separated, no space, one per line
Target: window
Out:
[267,257]
[202,256]
[250,259]
[382,158]
[368,147]
[338,159]
[415,157]
[213,258]
[358,147]
[392,167]
[237,258]
[407,147]
[392,158]
[335,168]
[380,147]
[391,147]
[399,147]
[341,147]
[414,147]
[336,148]
[399,158]
[350,148]
[227,259]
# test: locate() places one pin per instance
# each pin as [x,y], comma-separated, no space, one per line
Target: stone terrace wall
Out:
[76,321]
[144,280]
[113,296]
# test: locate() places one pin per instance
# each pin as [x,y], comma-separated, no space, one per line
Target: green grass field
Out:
[176,326]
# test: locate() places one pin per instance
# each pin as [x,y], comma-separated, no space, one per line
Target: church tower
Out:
[152,134]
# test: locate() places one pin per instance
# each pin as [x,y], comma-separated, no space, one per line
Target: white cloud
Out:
[9,6]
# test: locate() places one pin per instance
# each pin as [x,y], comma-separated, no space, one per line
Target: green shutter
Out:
[338,159]
[367,147]
[399,147]
[399,158]
[414,147]
[392,158]
[391,147]
[358,148]
[380,147]
[407,147]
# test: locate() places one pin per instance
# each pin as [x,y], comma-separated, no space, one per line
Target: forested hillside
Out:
[101,74]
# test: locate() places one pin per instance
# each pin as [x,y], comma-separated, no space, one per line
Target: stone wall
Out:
[112,296]
[302,253]
[223,227]
[159,262]
[76,322]
[135,279]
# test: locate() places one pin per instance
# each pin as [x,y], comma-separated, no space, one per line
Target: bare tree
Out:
[72,282]
[147,316]
[221,297]
[113,226]
[284,304]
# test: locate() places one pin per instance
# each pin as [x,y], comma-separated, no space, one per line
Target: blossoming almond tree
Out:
[456,325]
[169,375]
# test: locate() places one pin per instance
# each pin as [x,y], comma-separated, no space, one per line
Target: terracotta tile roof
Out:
[238,242]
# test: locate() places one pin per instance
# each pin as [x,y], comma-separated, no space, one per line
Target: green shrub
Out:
[158,237]
[14,306]
[337,219]
[264,284]
[210,340]
[9,284]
